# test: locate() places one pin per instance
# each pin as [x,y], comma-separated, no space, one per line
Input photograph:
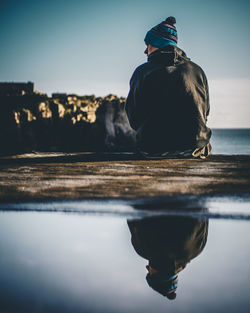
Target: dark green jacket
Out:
[168,243]
[168,103]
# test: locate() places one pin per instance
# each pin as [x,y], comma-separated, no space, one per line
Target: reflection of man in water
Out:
[168,243]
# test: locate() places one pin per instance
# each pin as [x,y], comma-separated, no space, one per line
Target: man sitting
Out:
[168,101]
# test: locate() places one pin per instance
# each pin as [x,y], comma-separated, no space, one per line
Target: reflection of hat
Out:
[163,34]
[164,285]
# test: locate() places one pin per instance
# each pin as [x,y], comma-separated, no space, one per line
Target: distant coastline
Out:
[31,121]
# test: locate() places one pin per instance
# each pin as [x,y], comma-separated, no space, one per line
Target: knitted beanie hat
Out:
[163,34]
[163,284]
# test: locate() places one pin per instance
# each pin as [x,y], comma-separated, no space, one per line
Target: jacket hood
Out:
[169,55]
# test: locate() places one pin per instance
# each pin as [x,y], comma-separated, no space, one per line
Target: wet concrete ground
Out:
[41,177]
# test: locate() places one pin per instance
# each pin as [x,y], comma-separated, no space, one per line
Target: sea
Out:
[230,141]
[93,256]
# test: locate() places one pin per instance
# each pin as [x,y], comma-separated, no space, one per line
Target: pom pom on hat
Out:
[170,20]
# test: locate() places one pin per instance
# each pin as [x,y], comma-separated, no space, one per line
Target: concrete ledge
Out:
[43,177]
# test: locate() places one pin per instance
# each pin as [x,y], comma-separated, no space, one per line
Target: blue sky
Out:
[87,47]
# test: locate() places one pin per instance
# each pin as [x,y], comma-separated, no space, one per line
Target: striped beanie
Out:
[163,34]
[163,284]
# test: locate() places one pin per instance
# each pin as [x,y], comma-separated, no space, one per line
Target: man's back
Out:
[168,103]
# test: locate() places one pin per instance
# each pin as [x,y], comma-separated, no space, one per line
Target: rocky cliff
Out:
[64,123]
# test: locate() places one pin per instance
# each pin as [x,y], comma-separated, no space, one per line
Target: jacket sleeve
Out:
[134,102]
[207,96]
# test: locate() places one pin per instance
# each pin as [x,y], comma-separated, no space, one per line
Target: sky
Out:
[93,47]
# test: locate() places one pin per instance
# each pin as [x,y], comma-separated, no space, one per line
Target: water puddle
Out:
[119,261]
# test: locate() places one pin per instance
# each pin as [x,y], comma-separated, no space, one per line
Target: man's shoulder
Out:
[139,72]
[195,67]
[144,70]
[143,67]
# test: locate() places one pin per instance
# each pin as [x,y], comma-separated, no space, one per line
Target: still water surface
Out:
[230,141]
[59,262]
